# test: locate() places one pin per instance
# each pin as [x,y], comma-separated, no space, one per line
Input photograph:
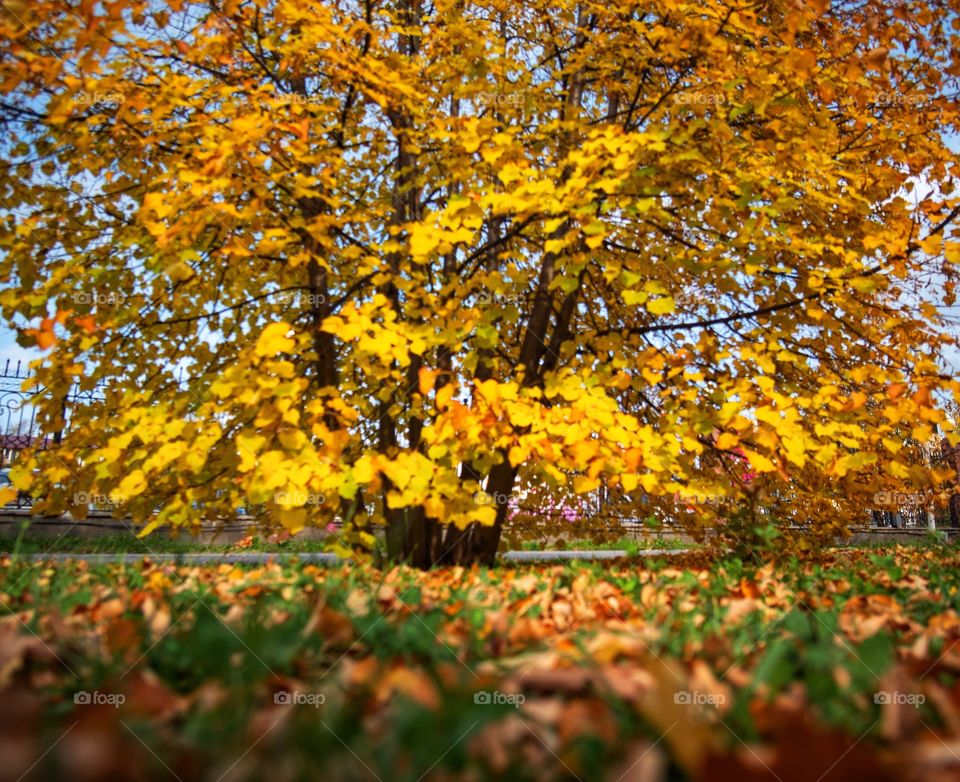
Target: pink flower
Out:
[748,476]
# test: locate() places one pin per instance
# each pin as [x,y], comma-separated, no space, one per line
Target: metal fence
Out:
[19,428]
[18,418]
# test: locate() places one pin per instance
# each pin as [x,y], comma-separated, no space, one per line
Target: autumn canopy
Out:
[415,257]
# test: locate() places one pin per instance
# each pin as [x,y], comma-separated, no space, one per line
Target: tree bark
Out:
[416,538]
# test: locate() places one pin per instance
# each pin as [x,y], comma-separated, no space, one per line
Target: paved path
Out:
[593,556]
[255,558]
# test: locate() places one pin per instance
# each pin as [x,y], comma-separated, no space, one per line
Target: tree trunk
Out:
[412,537]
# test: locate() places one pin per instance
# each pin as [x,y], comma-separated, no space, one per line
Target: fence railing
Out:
[19,428]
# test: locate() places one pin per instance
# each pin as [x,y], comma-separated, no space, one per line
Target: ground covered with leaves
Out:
[669,669]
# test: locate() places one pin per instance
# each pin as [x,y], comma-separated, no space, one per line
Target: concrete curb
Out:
[590,556]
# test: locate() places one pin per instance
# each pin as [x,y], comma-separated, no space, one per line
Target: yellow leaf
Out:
[155,202]
[769,415]
[443,396]
[854,461]
[520,415]
[898,470]
[518,454]
[245,126]
[485,514]
[554,473]
[726,441]
[796,447]
[132,485]
[583,483]
[584,451]
[273,339]
[654,286]
[292,439]
[7,494]
[178,271]
[249,445]
[661,306]
[21,475]
[759,462]
[365,469]
[427,379]
[649,481]
[294,519]
[423,240]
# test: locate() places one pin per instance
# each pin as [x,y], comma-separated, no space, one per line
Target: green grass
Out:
[929,538]
[631,545]
[127,543]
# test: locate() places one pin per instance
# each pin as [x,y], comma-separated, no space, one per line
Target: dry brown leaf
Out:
[16,648]
[644,762]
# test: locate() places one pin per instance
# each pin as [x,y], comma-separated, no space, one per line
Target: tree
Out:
[406,250]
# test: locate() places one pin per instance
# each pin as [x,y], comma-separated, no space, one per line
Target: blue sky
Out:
[9,349]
